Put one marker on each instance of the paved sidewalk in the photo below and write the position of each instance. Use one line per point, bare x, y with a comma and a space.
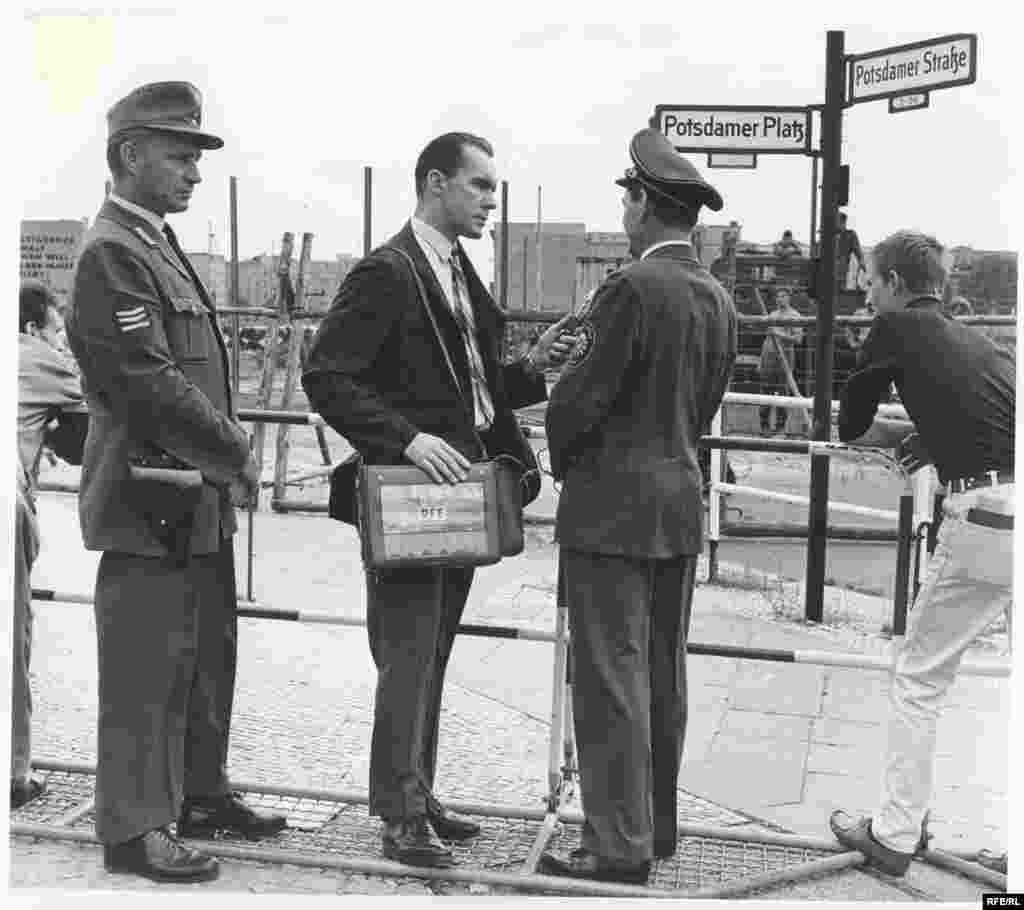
784, 743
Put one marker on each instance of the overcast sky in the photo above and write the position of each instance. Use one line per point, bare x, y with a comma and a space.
306, 99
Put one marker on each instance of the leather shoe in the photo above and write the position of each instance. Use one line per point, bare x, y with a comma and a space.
412, 841
26, 789
160, 856
856, 835
581, 863
204, 815
448, 825
997, 862
663, 849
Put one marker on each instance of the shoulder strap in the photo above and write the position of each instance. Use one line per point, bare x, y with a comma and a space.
422, 291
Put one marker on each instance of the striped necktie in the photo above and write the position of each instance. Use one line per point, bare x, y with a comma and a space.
483, 407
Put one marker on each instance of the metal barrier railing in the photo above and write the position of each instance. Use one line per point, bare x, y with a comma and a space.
561, 739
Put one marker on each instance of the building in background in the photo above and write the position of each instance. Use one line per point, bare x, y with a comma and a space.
573, 261
212, 270
258, 282
49, 250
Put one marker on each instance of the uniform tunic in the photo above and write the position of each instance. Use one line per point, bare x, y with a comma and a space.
155, 372
655, 355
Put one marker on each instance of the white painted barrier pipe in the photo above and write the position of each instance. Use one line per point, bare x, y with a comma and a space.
803, 500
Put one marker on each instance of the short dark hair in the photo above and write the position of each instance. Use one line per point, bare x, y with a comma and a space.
668, 211
34, 300
114, 163
917, 258
444, 154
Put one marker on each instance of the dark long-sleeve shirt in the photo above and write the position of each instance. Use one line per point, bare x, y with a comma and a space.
956, 384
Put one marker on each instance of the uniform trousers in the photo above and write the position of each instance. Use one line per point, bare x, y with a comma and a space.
167, 651
629, 619
967, 585
26, 548
412, 617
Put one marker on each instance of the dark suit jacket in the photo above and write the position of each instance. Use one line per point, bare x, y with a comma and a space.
155, 372
657, 349
378, 376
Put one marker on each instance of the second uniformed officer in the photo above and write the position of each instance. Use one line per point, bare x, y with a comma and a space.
155, 374
654, 355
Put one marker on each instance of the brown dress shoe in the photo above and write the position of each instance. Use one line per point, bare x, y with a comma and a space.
412, 841
856, 835
581, 863
161, 857
203, 815
448, 825
26, 789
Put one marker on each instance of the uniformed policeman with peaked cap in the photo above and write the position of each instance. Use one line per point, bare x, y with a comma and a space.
654, 355
155, 373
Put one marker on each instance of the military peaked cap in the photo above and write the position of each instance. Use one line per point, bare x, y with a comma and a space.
658, 166
167, 107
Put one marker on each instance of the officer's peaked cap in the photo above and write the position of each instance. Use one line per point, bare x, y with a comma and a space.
657, 165
167, 107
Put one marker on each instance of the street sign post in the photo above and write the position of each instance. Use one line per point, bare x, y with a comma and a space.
733, 136
909, 68
712, 128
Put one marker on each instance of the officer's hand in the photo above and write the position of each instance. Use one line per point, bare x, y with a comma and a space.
246, 486
912, 454
433, 455
556, 344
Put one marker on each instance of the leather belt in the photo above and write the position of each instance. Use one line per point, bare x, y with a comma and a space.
988, 479
990, 519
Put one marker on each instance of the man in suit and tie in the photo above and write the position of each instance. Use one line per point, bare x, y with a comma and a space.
379, 377
656, 350
155, 375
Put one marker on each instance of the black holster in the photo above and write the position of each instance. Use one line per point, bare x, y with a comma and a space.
165, 493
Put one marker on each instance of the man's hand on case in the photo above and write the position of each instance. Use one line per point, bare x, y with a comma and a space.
433, 455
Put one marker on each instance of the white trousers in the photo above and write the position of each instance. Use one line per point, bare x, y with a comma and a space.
968, 584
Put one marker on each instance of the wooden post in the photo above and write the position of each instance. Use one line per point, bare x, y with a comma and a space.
236, 347
504, 245
525, 254
291, 372
367, 209
321, 441
540, 258
284, 263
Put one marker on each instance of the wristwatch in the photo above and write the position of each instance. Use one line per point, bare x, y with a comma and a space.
531, 362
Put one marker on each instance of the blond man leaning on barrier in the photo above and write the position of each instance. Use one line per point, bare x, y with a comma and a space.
958, 389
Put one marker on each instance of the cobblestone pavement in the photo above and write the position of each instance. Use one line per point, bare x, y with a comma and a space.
775, 742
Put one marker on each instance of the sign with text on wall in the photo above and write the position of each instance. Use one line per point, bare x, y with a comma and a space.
49, 250
909, 68
736, 129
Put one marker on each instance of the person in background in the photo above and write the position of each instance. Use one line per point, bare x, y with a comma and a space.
775, 358
847, 245
856, 334
787, 247
52, 416
958, 388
